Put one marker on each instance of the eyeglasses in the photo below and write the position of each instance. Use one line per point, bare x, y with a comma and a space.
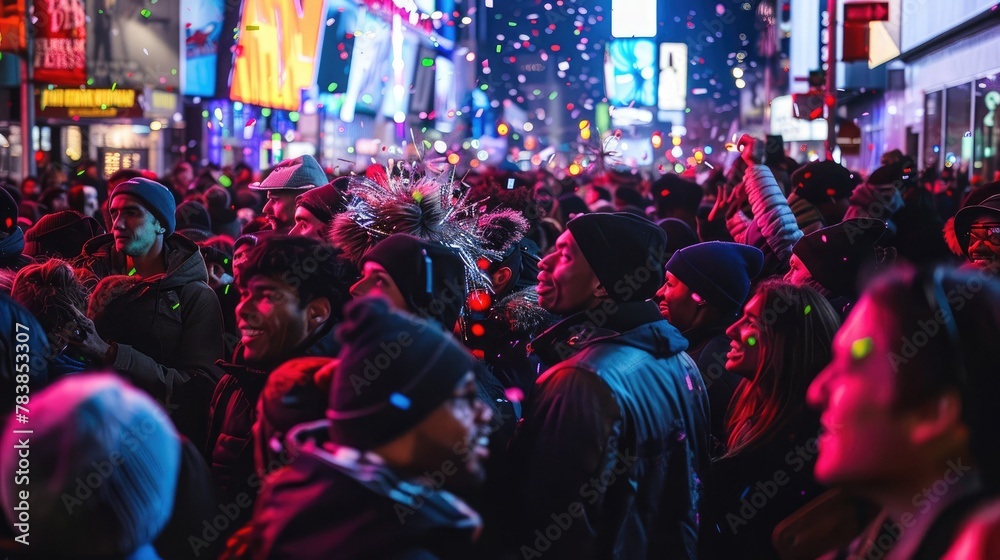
986, 233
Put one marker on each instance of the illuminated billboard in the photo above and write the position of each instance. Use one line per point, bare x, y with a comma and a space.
60, 42
633, 18
276, 52
370, 60
133, 44
630, 72
672, 93
445, 95
201, 21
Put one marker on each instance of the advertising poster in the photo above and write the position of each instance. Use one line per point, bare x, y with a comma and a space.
370, 67
445, 95
672, 95
276, 52
134, 43
60, 42
201, 27
12, 27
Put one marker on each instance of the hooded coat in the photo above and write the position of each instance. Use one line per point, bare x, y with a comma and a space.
168, 328
614, 441
332, 505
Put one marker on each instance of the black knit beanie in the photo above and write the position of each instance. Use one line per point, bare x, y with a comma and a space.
394, 370
836, 255
323, 202
672, 191
819, 181
431, 277
624, 251
718, 271
61, 234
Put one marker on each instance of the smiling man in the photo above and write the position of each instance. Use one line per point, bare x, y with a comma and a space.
292, 292
978, 231
620, 407
286, 181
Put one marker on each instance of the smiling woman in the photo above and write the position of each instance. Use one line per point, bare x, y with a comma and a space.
779, 345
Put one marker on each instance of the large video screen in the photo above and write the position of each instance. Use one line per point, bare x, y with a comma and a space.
275, 57
445, 95
673, 77
201, 22
630, 72
370, 67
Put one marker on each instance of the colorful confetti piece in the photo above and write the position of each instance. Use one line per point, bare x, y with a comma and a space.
399, 401
861, 348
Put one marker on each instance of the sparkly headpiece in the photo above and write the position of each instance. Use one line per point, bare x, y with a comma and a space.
429, 207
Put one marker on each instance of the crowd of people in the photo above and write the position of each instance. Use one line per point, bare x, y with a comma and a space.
776, 361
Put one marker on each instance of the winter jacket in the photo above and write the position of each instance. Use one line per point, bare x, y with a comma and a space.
168, 328
773, 229
708, 349
748, 494
608, 460
339, 503
233, 413
914, 225
21, 335
875, 201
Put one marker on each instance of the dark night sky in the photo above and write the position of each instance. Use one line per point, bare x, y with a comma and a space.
569, 36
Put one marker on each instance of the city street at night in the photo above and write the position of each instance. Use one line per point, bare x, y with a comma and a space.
499, 279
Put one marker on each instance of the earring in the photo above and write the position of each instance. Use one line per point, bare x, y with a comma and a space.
162, 230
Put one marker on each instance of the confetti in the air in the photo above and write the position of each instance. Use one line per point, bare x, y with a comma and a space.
861, 348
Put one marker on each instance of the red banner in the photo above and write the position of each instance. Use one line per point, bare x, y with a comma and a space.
60, 42
12, 27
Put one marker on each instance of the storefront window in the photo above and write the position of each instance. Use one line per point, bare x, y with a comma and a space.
958, 136
932, 129
986, 162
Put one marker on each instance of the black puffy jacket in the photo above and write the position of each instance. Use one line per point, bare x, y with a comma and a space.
233, 413
608, 460
168, 328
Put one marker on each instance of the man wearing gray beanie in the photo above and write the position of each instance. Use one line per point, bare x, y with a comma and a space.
164, 334
620, 406
404, 426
